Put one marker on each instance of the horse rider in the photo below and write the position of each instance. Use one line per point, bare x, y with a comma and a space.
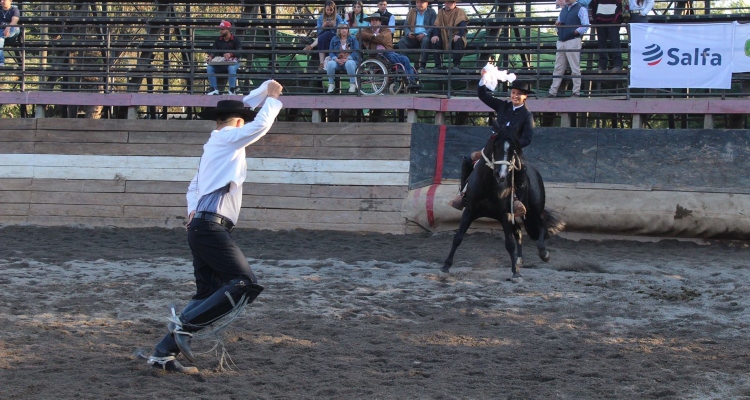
223, 277
512, 116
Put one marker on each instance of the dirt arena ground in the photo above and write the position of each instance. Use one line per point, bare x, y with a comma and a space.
368, 316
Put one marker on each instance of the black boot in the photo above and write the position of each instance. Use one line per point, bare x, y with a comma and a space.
164, 357
459, 202
211, 310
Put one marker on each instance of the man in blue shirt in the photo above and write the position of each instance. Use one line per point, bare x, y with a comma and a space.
572, 24
418, 28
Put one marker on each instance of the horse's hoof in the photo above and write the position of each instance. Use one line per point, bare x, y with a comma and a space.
544, 255
445, 269
517, 278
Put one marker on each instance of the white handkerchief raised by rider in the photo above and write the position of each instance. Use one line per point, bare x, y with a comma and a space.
492, 75
257, 96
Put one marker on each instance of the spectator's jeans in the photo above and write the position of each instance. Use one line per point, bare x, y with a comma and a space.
608, 37
350, 66
13, 33
564, 58
396, 58
408, 43
232, 70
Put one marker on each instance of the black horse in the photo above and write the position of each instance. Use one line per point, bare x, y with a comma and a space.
490, 194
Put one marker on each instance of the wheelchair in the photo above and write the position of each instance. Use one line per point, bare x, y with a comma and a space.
377, 74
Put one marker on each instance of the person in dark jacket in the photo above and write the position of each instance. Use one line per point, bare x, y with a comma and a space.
226, 48
608, 12
512, 116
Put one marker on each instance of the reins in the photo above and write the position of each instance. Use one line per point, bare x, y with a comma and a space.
513, 164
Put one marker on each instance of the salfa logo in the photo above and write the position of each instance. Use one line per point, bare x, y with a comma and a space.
653, 54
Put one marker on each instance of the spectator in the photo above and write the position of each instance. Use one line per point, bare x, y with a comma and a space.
569, 33
344, 55
327, 23
380, 39
608, 12
11, 15
639, 10
450, 34
226, 48
389, 19
356, 18
418, 30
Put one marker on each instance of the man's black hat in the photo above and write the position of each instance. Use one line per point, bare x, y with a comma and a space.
522, 86
225, 107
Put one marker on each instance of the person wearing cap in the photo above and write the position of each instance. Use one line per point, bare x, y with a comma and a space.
344, 56
512, 116
379, 39
450, 34
223, 276
418, 30
227, 47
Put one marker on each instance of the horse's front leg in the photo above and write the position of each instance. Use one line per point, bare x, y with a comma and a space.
511, 244
518, 235
466, 219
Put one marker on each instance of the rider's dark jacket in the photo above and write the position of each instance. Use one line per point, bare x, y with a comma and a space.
519, 121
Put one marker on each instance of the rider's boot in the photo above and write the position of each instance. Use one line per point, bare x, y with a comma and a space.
210, 310
519, 210
459, 202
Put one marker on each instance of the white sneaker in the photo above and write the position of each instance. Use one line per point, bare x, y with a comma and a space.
331, 86
213, 93
233, 91
352, 88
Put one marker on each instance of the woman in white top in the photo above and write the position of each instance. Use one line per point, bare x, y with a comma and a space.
639, 10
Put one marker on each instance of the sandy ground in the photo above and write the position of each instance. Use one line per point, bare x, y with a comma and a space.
369, 316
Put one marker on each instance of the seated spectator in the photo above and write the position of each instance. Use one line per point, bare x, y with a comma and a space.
380, 39
10, 17
356, 18
608, 12
327, 23
388, 18
418, 30
344, 55
449, 34
226, 48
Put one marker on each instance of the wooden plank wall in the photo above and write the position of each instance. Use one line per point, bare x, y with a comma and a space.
134, 173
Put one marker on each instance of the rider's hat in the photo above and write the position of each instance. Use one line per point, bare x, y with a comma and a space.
522, 86
226, 107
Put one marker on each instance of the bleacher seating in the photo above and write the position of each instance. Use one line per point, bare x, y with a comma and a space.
159, 46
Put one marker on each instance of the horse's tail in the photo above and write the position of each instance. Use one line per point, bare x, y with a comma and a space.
553, 223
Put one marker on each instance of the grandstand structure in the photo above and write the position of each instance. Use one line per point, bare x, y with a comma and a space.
116, 51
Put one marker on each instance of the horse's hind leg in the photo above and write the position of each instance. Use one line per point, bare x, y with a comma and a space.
540, 245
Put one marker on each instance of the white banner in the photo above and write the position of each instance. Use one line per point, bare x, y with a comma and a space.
681, 55
741, 61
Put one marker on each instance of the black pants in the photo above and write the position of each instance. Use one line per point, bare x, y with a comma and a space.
456, 48
608, 37
216, 257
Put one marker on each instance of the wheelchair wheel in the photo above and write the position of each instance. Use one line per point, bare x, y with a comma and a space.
396, 86
372, 77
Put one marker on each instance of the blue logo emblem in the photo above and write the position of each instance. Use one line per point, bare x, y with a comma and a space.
653, 54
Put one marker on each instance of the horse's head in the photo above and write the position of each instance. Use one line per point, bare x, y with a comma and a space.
501, 148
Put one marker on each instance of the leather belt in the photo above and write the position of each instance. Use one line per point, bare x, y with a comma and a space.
213, 217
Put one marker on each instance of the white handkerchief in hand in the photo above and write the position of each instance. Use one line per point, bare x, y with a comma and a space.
257, 96
492, 75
